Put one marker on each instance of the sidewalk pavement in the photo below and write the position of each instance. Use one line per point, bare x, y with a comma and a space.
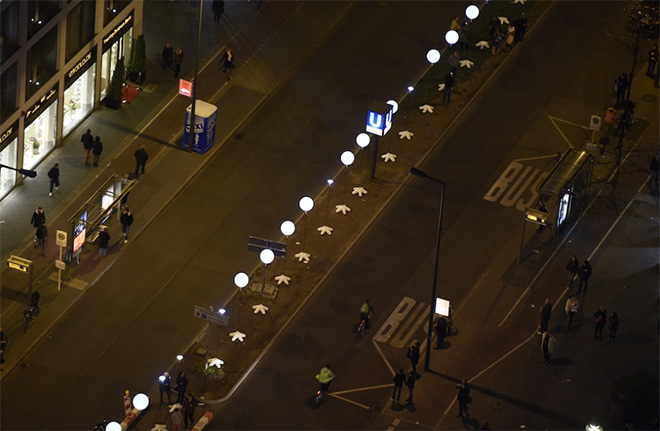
154, 119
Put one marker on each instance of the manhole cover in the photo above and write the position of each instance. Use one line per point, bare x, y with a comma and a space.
497, 405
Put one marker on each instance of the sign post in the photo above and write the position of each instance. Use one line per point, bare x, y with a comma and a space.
379, 122
60, 240
211, 317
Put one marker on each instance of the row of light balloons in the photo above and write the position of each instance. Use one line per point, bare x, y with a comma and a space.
451, 37
347, 158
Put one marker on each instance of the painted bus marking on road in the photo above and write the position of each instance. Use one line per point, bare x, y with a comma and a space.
516, 181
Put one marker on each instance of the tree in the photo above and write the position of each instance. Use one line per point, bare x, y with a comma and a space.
139, 59
116, 84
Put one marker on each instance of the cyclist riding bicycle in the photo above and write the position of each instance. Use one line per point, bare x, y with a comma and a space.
366, 310
325, 377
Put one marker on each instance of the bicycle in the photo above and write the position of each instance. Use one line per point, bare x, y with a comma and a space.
29, 314
323, 392
363, 326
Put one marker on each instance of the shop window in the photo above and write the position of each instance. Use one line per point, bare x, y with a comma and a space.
80, 27
8, 91
40, 137
8, 31
112, 9
39, 13
41, 63
8, 157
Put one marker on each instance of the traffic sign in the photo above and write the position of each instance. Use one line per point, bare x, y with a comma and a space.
60, 238
256, 245
211, 316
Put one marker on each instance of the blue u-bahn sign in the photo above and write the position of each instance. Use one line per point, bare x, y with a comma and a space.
379, 118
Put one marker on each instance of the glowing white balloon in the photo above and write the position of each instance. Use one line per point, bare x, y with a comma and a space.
241, 280
362, 140
306, 203
451, 37
347, 158
267, 256
472, 12
140, 401
113, 426
433, 56
395, 106
287, 228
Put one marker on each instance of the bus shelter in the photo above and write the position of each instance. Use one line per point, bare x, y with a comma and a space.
566, 189
86, 222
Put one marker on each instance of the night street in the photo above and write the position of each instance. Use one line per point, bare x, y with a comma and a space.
309, 70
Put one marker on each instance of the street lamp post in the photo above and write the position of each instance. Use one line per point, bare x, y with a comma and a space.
193, 115
26, 172
422, 174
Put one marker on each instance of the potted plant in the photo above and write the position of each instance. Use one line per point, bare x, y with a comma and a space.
113, 98
138, 69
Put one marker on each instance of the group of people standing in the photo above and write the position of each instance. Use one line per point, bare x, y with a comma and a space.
172, 55
571, 307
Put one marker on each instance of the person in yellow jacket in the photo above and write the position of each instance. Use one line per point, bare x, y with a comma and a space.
365, 313
325, 377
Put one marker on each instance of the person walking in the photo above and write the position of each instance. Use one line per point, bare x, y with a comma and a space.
177, 418
227, 62
38, 217
410, 383
463, 36
181, 386
413, 355
97, 150
583, 275
168, 55
653, 171
178, 60
546, 312
621, 84
449, 84
3, 346
547, 346
463, 397
104, 239
653, 60
88, 143
523, 26
571, 308
612, 326
54, 176
399, 380
42, 237
126, 220
189, 405
164, 386
510, 36
440, 332
600, 318
573, 266
218, 7
141, 158
454, 60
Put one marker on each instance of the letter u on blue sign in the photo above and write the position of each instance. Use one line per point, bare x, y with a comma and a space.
375, 123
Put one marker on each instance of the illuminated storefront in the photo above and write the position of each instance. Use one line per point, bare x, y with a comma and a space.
79, 92
117, 44
8, 157
40, 129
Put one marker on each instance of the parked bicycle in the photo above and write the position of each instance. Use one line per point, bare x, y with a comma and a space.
32, 311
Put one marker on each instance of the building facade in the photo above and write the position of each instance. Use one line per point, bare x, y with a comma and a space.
56, 62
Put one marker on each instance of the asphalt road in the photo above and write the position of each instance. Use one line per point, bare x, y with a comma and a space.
565, 74
251, 184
